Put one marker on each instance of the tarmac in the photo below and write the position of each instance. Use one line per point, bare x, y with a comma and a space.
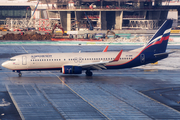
141, 93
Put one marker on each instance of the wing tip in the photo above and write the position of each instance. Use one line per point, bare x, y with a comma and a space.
118, 56
105, 49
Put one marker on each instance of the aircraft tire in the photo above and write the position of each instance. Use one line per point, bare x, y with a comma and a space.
89, 73
20, 74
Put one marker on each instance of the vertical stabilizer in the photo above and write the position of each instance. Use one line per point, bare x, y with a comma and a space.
158, 43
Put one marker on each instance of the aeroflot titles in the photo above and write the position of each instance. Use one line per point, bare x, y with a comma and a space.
34, 56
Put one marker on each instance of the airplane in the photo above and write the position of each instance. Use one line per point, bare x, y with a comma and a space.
75, 63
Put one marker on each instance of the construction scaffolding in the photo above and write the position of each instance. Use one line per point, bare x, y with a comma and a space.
40, 24
143, 24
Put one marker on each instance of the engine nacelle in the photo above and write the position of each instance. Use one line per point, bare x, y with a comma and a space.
71, 69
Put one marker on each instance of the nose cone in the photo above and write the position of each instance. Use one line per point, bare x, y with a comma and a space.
5, 64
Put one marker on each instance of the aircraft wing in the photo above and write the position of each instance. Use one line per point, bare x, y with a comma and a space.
99, 65
96, 65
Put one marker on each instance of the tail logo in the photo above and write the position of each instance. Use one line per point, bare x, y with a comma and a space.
160, 39
142, 58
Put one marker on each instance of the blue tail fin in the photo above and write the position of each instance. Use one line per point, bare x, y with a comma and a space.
158, 43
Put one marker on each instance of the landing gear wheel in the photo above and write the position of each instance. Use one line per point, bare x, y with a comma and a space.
89, 73
20, 74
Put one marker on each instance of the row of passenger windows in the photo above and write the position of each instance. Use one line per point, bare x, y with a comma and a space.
79, 59
45, 59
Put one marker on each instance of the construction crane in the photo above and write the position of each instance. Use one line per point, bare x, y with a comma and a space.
58, 27
91, 27
33, 13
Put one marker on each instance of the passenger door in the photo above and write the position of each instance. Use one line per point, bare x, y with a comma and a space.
24, 60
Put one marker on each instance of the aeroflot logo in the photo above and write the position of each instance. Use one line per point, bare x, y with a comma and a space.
34, 56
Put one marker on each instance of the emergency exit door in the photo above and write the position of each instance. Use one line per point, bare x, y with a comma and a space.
24, 60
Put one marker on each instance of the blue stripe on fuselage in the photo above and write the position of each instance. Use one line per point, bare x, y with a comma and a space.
149, 57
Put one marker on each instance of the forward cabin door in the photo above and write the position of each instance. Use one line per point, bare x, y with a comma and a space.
24, 60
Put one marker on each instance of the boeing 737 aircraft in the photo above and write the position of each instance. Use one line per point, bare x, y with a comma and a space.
75, 63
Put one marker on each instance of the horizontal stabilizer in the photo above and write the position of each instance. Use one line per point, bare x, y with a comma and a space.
166, 53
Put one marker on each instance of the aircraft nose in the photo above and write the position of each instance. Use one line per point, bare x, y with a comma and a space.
4, 64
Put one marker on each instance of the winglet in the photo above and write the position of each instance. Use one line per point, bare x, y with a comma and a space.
105, 49
118, 56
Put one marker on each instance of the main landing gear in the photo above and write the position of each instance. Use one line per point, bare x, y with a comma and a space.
89, 73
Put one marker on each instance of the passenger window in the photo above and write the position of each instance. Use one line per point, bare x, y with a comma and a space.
59, 59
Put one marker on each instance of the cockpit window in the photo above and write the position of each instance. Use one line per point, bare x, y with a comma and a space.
12, 59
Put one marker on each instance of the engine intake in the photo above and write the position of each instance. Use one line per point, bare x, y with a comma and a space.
71, 69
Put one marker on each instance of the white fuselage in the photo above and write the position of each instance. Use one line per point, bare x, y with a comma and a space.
45, 61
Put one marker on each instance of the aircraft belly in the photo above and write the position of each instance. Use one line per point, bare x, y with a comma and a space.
44, 65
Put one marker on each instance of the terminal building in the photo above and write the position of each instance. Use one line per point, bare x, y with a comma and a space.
14, 10
75, 15
108, 14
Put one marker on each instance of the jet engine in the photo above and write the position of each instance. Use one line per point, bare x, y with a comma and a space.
71, 69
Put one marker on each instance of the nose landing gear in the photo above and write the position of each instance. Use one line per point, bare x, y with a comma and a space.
19, 73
